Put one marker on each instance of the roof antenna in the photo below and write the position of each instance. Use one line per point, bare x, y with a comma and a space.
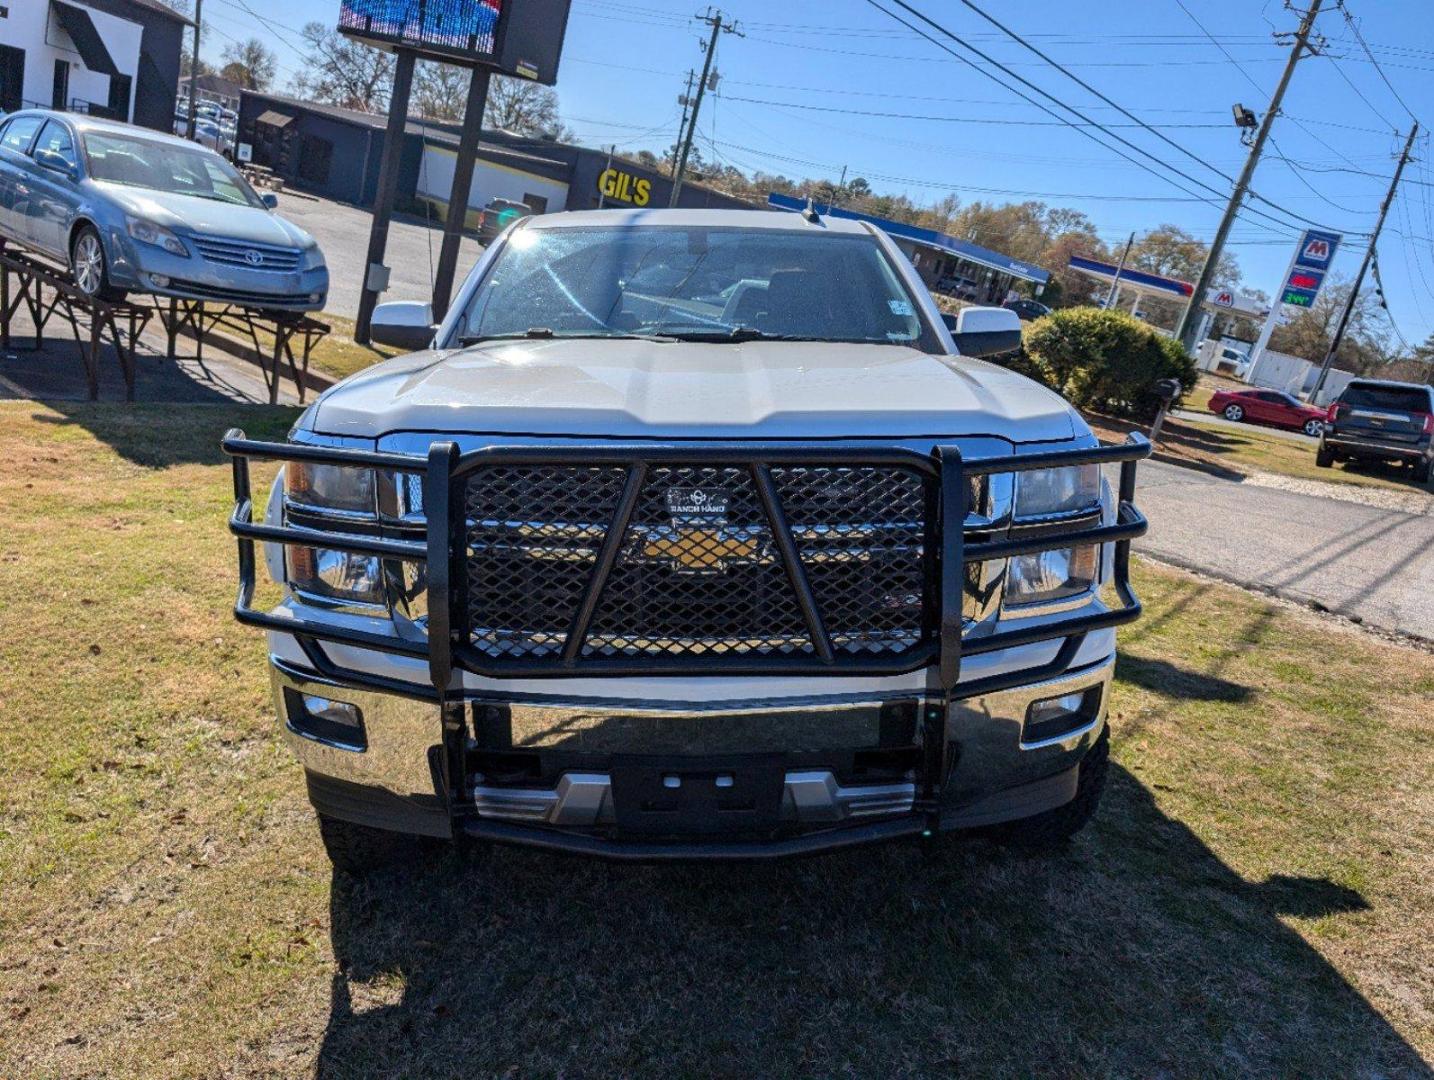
809, 212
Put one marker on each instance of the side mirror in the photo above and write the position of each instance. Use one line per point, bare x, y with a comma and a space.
48, 159
404, 324
986, 331
269, 199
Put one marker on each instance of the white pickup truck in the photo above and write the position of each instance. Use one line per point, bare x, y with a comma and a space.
691, 534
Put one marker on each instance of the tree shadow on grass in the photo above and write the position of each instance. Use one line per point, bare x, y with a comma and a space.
1134, 952
158, 436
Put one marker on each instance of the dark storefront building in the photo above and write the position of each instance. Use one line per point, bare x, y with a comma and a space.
336, 153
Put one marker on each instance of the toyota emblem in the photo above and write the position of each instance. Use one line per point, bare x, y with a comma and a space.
254, 258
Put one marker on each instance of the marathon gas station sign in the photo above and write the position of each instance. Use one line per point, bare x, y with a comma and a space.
1309, 268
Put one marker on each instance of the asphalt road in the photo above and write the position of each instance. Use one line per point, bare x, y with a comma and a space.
1216, 420
342, 232
1371, 564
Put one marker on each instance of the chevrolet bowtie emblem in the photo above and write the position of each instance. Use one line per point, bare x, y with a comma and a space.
703, 549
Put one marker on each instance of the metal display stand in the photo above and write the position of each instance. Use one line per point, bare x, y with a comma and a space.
289, 330
45, 291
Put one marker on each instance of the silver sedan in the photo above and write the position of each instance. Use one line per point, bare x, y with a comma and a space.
133, 210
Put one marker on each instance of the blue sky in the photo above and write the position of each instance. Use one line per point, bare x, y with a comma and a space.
795, 88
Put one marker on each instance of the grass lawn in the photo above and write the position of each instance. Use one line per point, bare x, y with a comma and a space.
1254, 898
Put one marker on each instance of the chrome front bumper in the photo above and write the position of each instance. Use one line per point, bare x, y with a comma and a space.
999, 771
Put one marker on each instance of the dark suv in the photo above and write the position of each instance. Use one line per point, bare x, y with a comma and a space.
1372, 420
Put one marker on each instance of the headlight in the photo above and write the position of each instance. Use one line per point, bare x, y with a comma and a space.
1041, 492
311, 259
1047, 576
147, 232
343, 494
329, 488
336, 575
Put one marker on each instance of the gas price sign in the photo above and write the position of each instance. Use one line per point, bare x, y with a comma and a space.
1309, 267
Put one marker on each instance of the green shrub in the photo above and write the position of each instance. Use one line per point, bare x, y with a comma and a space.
1104, 360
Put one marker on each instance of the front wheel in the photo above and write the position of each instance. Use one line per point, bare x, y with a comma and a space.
1234, 413
89, 268
1313, 428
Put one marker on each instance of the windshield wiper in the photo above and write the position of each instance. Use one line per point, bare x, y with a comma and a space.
751, 333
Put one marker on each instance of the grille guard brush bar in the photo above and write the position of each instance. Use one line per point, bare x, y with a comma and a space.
444, 471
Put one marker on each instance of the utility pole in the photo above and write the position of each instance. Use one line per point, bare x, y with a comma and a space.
1190, 321
713, 19
194, 73
1111, 296
685, 100
1363, 267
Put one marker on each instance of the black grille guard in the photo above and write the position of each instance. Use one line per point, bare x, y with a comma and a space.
445, 471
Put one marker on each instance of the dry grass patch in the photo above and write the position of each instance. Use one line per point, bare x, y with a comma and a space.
1253, 899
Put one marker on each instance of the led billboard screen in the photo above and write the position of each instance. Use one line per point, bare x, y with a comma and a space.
511, 37
463, 28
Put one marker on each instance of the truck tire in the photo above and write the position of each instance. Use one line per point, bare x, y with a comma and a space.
1423, 472
359, 849
1054, 828
1323, 458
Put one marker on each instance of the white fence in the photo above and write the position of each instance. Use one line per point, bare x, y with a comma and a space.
1294, 375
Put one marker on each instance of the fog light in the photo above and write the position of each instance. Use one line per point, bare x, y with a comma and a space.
1053, 717
316, 297
337, 723
159, 281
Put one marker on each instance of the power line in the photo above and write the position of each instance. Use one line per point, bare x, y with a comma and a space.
1354, 28
1069, 108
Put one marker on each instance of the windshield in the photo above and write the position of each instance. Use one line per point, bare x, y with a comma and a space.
162, 166
1373, 396
692, 283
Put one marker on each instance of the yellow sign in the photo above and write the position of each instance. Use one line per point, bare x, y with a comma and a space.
624, 187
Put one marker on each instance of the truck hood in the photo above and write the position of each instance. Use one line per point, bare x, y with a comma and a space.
208, 217
643, 389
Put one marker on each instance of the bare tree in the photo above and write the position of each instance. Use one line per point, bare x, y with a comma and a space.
440, 90
340, 71
250, 63
523, 107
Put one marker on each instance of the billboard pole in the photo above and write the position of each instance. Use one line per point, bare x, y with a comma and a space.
462, 184
1363, 267
1271, 320
375, 273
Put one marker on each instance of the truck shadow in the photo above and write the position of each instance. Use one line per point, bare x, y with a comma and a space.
141, 434
1136, 951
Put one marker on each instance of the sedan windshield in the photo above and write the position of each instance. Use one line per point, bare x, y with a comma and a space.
692, 283
163, 166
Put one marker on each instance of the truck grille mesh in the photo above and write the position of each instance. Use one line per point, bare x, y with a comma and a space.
698, 572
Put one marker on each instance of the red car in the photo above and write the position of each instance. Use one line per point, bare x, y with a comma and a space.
1271, 407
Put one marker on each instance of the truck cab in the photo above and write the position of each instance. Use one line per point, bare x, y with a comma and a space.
691, 534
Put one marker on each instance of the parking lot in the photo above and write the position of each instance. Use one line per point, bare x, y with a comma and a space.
342, 231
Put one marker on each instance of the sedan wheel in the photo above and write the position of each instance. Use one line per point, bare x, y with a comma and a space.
87, 263
1234, 412
1313, 428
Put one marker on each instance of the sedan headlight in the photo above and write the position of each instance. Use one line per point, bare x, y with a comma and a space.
147, 232
343, 495
1042, 492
